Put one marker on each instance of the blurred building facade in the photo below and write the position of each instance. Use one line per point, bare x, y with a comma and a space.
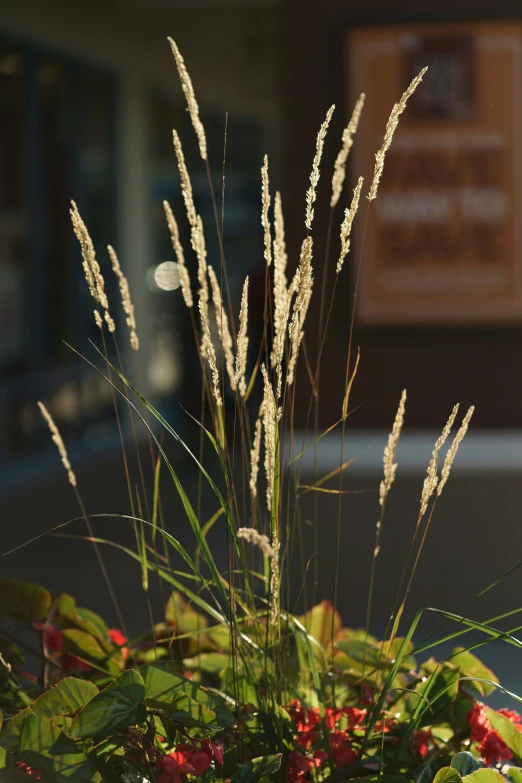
87, 113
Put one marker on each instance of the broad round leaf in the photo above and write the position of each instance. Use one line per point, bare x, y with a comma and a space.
116, 707
24, 600
465, 763
45, 747
67, 697
447, 775
163, 688
515, 773
486, 775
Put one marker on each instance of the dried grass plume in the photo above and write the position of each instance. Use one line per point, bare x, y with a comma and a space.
311, 193
274, 582
280, 279
186, 84
452, 451
302, 284
346, 227
269, 427
391, 126
58, 442
242, 342
347, 143
256, 539
390, 466
223, 328
254, 454
431, 480
210, 355
265, 206
91, 268
186, 184
184, 278
128, 307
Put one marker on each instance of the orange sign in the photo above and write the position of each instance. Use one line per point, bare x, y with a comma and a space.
443, 238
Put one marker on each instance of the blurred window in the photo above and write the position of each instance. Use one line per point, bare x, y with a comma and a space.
56, 143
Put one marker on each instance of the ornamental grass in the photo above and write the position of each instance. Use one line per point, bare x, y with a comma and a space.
229, 683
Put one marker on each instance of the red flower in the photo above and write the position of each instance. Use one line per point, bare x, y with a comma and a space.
28, 770
320, 757
478, 722
384, 726
198, 759
493, 748
355, 716
298, 766
213, 751
171, 768
120, 639
421, 740
306, 738
333, 716
343, 752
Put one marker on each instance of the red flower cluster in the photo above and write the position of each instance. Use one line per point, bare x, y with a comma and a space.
53, 640
120, 640
491, 746
422, 739
309, 729
188, 760
300, 765
28, 770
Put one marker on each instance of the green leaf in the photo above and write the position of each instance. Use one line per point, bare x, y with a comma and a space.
10, 734
67, 697
515, 773
485, 775
441, 690
116, 707
319, 622
24, 600
84, 646
465, 763
507, 730
151, 655
447, 775
81, 618
219, 635
471, 666
45, 747
163, 686
258, 769
210, 663
162, 692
